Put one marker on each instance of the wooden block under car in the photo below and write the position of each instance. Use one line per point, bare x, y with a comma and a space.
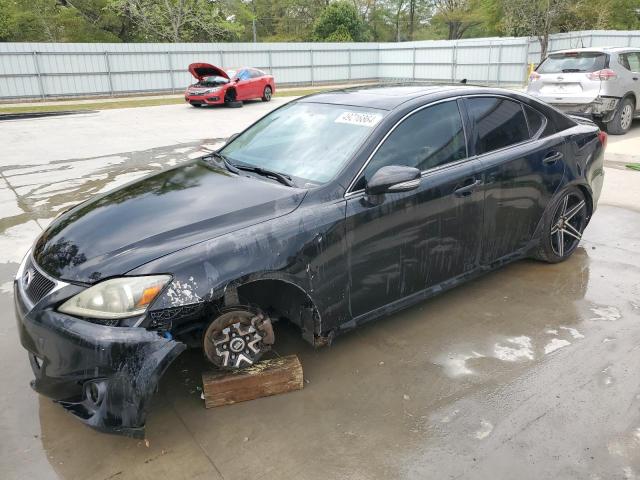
265, 378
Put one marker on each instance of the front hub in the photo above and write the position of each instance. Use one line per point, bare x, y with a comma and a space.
237, 339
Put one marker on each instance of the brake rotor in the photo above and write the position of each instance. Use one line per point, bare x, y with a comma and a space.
237, 339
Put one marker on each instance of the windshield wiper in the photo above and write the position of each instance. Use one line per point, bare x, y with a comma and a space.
229, 166
571, 70
281, 177
236, 168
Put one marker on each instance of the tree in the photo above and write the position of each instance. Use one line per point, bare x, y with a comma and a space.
178, 20
537, 18
457, 15
340, 22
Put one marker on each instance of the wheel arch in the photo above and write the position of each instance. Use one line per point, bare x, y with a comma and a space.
632, 96
586, 191
280, 297
231, 91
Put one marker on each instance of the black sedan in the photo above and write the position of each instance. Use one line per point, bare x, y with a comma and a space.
330, 211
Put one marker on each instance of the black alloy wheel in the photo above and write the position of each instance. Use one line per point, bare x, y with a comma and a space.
563, 229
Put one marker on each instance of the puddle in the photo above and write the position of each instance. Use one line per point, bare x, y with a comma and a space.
34, 192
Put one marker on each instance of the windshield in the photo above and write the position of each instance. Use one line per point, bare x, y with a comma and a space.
573, 62
310, 142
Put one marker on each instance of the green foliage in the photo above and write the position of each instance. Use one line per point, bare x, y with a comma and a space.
339, 22
303, 20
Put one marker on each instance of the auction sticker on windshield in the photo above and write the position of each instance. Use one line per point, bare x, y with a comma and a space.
359, 118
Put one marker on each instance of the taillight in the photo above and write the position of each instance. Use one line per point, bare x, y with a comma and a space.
602, 136
604, 74
534, 76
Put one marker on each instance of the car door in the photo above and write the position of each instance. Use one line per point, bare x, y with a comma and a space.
257, 83
631, 63
243, 84
521, 170
400, 244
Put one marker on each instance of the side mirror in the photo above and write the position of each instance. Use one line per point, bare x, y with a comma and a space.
393, 179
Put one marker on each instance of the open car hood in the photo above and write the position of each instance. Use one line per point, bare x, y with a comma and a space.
202, 70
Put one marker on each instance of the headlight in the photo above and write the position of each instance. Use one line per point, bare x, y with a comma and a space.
116, 298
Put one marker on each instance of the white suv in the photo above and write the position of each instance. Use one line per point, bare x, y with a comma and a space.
602, 83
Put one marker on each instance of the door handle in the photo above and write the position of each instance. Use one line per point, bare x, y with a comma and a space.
635, 78
467, 189
552, 157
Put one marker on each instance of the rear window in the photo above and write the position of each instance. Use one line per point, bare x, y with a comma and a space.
573, 62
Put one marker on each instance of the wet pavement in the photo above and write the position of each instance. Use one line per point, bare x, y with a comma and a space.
529, 372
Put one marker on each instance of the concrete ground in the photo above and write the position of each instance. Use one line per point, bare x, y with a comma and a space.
530, 372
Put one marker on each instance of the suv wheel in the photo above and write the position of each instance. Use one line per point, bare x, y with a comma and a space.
621, 121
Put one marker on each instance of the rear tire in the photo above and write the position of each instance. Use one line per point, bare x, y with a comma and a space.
562, 227
267, 94
623, 118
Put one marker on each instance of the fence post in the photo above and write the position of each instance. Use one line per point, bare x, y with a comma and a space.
349, 51
37, 66
414, 64
170, 64
526, 63
499, 63
489, 64
454, 61
629, 40
270, 63
311, 52
106, 59
222, 59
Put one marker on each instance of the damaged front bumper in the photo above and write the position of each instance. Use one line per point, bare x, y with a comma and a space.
103, 375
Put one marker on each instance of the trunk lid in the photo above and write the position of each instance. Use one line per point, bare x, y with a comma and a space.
563, 77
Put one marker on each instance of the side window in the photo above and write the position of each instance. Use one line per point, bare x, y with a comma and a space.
633, 60
243, 74
499, 123
429, 138
535, 119
623, 58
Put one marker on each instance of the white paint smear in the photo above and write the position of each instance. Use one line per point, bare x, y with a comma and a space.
609, 314
555, 344
573, 332
485, 430
514, 349
455, 365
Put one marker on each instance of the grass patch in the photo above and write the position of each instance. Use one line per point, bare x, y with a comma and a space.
634, 166
130, 103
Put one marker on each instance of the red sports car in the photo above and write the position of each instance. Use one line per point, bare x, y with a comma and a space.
217, 86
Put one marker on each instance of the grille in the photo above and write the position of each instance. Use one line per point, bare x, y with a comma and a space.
34, 283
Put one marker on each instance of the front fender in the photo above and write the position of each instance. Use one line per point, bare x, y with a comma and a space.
304, 248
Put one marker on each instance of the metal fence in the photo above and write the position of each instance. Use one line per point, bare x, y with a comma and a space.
46, 70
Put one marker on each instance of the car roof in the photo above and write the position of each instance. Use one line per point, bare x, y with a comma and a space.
390, 96
597, 49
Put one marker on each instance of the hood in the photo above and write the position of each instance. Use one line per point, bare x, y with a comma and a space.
114, 233
202, 70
